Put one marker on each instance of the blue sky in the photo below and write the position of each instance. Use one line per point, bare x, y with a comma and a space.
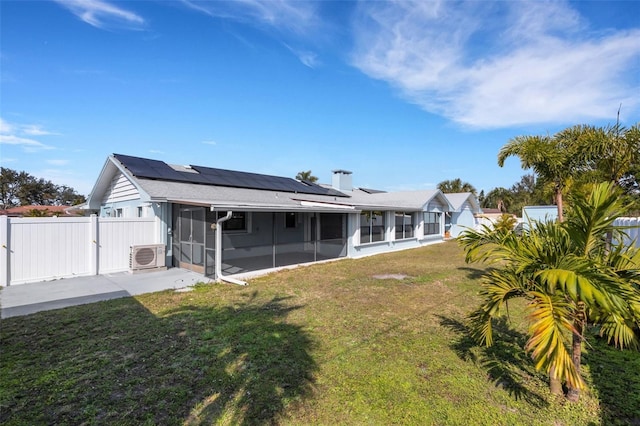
404, 94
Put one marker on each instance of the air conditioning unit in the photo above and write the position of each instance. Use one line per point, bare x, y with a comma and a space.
146, 257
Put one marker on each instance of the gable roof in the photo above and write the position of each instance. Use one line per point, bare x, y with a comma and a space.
458, 199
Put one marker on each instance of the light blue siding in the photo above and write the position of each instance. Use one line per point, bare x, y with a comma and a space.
539, 213
462, 220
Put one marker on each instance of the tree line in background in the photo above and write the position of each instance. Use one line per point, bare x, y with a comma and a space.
22, 189
568, 162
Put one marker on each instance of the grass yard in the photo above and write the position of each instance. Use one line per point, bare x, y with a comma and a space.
324, 344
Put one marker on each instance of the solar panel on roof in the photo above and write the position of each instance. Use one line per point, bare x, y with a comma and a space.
155, 169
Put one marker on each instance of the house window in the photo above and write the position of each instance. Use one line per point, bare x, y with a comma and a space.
372, 227
118, 212
237, 223
404, 225
290, 220
431, 223
140, 214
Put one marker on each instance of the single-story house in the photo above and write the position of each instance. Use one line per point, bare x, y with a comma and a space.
222, 222
465, 209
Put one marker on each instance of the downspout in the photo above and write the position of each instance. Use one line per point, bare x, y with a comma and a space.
219, 275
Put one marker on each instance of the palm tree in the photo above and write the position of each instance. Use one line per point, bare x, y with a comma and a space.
552, 158
306, 175
498, 198
568, 277
454, 186
612, 151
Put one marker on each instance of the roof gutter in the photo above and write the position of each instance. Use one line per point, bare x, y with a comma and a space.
219, 275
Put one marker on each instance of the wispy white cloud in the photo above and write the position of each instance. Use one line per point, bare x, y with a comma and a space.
498, 64
102, 14
27, 144
36, 130
155, 151
22, 135
209, 142
287, 15
58, 162
289, 19
308, 58
5, 127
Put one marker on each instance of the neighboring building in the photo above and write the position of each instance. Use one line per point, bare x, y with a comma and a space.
465, 208
265, 221
37, 210
539, 213
489, 216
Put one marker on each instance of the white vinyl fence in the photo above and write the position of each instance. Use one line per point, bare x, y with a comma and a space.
38, 249
631, 227
633, 232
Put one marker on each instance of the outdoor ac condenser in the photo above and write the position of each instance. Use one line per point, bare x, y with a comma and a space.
146, 257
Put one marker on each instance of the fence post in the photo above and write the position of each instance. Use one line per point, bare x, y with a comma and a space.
5, 276
94, 255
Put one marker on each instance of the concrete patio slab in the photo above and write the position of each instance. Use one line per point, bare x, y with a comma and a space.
24, 299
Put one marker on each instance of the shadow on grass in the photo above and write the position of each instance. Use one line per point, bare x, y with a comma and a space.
614, 375
116, 363
506, 362
474, 273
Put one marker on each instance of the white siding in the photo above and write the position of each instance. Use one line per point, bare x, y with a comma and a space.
120, 189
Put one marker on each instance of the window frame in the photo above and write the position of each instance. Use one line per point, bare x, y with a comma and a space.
372, 215
288, 217
228, 225
428, 224
401, 234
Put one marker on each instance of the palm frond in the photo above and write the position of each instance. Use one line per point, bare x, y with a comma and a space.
498, 287
547, 343
621, 331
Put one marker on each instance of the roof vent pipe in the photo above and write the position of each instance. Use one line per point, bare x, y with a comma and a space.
219, 275
341, 180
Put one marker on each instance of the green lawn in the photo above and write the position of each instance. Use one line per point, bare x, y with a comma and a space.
325, 344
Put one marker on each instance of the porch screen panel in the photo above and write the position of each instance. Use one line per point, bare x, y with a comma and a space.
330, 226
175, 234
210, 241
198, 226
333, 239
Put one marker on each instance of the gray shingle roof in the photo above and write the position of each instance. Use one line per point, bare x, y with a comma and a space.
158, 190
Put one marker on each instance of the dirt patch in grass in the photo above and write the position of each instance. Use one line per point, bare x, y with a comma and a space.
398, 277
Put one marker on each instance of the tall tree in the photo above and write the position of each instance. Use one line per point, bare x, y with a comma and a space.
569, 277
613, 152
306, 175
498, 198
21, 188
454, 186
552, 158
